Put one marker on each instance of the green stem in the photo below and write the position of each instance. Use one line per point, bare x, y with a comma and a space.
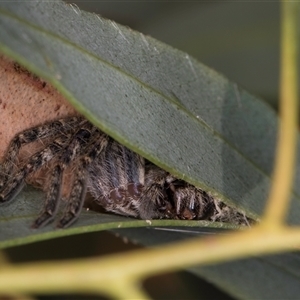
118, 275
277, 205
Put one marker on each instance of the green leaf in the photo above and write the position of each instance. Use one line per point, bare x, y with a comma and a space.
154, 99
16, 219
161, 103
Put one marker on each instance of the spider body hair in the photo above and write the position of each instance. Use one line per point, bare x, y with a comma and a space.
120, 180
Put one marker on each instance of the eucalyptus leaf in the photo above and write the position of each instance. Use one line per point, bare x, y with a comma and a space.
166, 106
156, 100
16, 219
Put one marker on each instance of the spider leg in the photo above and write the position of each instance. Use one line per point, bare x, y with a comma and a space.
224, 213
155, 202
76, 200
165, 196
62, 126
51, 204
191, 202
36, 161
68, 154
194, 203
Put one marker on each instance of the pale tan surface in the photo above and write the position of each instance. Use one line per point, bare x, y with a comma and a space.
27, 101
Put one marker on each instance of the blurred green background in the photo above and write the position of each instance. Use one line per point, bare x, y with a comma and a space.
239, 39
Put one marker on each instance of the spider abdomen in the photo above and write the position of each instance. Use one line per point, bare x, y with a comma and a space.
116, 179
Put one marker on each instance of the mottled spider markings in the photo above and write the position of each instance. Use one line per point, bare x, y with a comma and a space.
118, 179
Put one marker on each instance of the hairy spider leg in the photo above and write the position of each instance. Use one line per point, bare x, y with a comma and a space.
62, 126
36, 161
51, 203
154, 202
73, 150
191, 202
165, 196
76, 199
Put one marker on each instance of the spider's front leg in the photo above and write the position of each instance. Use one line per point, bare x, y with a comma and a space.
165, 196
155, 201
35, 162
70, 152
190, 203
50, 130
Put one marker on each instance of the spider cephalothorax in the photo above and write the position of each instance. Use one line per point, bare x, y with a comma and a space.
118, 178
